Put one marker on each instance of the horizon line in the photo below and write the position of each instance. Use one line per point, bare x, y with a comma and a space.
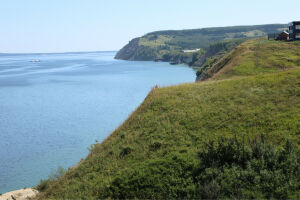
59, 52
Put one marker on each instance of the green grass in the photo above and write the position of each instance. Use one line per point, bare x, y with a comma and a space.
236, 135
181, 119
154, 42
262, 56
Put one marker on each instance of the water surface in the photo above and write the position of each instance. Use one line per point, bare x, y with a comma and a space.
52, 110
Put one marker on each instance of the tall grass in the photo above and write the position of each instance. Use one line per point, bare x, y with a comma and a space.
259, 56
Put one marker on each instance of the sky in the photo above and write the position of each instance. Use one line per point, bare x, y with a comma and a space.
41, 26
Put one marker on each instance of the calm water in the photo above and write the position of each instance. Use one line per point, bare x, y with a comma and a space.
52, 110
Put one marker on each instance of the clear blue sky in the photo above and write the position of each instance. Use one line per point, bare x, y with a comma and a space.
93, 25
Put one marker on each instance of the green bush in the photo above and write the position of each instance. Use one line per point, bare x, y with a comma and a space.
155, 146
255, 169
164, 178
125, 151
44, 184
227, 168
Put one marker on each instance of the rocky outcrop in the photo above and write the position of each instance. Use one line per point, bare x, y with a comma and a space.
22, 194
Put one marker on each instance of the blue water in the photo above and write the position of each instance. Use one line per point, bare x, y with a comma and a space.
51, 111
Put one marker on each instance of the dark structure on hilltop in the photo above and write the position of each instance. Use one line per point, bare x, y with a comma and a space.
294, 30
283, 36
293, 33
279, 36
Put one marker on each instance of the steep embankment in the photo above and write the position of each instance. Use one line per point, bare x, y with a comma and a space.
170, 45
232, 138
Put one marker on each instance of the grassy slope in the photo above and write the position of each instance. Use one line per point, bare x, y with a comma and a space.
256, 57
182, 118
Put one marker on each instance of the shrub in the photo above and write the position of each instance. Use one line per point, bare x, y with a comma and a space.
228, 168
164, 178
125, 151
254, 170
155, 146
44, 184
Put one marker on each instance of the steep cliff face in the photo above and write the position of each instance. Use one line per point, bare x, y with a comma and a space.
127, 52
134, 51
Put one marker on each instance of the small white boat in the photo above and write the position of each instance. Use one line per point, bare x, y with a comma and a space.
35, 61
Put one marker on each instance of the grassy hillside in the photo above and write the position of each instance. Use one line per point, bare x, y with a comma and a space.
254, 57
235, 136
169, 45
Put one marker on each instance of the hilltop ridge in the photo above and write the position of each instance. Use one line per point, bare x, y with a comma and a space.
169, 45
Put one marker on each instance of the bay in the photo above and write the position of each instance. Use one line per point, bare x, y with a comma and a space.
54, 106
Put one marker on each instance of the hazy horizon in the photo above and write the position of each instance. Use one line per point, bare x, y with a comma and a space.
87, 51
74, 52
97, 25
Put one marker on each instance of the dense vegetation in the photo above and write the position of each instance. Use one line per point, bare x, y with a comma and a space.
234, 136
225, 169
169, 45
